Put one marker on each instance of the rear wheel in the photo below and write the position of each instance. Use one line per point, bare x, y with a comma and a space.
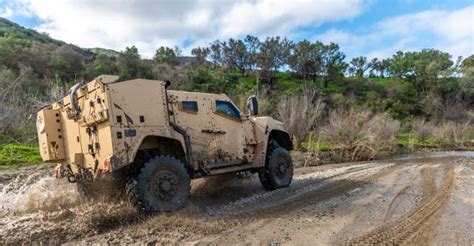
278, 172
163, 185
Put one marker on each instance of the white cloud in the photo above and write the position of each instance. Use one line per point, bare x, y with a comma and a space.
5, 9
6, 12
450, 31
149, 24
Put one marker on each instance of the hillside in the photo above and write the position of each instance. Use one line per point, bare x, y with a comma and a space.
106, 52
13, 30
14, 33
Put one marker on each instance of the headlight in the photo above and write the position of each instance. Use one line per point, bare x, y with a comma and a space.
40, 125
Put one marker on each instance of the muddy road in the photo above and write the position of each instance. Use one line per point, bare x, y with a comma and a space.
423, 200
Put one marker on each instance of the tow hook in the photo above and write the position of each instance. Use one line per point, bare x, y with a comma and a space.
83, 175
60, 171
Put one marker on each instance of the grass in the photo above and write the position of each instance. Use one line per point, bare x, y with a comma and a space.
407, 140
19, 155
385, 81
315, 144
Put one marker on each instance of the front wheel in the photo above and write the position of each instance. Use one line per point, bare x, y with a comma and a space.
278, 172
163, 185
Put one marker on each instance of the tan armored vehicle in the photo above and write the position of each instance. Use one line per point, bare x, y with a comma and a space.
157, 140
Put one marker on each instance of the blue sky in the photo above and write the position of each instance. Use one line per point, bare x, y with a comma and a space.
372, 28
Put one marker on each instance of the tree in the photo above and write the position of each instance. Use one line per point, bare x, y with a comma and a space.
236, 55
301, 59
252, 45
467, 81
216, 53
358, 66
67, 63
129, 63
374, 67
166, 55
423, 68
379, 67
385, 66
274, 53
333, 63
201, 54
468, 63
102, 64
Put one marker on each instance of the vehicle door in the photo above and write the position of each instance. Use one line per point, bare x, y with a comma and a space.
193, 112
228, 132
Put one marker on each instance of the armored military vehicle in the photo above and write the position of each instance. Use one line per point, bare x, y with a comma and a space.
157, 140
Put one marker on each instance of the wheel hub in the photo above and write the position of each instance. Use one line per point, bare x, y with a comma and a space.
165, 185
281, 168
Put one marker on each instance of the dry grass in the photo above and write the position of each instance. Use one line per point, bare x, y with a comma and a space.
456, 135
301, 113
359, 135
446, 134
422, 130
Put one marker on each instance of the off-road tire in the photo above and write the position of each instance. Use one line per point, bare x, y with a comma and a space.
278, 171
162, 185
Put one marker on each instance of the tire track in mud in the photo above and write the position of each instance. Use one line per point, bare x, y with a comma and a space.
333, 189
282, 201
301, 184
418, 226
428, 187
395, 203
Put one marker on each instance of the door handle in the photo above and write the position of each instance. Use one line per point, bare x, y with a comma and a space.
212, 131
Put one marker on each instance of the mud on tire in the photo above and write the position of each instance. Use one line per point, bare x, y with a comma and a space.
163, 185
278, 172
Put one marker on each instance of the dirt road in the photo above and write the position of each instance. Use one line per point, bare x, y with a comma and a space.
423, 200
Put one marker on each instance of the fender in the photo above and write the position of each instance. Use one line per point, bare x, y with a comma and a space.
267, 128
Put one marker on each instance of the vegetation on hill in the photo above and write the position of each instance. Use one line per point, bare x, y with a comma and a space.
353, 110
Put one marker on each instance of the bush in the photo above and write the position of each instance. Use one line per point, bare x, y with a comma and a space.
359, 135
455, 135
300, 113
422, 130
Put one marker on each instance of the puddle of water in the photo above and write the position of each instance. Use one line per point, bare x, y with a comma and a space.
440, 154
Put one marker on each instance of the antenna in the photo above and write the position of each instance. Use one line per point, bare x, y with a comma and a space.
258, 77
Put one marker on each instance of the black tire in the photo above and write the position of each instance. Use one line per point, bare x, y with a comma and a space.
278, 172
163, 185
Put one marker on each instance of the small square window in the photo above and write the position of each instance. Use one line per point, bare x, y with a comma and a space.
142, 119
119, 119
190, 105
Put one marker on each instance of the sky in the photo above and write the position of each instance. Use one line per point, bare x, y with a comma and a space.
371, 28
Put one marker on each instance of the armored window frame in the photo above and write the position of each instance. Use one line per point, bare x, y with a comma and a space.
231, 112
189, 106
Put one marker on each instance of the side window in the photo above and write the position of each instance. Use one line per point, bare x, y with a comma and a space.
227, 108
191, 106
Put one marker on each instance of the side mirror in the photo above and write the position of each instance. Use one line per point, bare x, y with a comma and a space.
252, 105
